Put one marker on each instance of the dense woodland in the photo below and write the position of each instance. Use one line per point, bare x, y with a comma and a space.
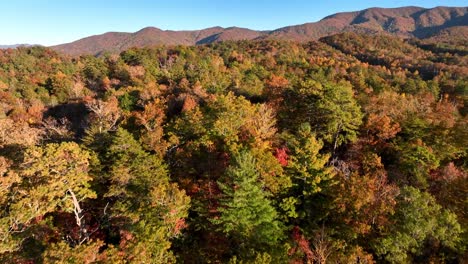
351, 149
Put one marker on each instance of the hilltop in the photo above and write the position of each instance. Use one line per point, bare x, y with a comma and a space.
403, 22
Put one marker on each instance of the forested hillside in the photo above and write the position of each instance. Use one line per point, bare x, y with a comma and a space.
351, 149
409, 21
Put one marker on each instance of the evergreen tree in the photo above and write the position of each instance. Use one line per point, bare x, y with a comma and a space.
246, 214
338, 115
306, 165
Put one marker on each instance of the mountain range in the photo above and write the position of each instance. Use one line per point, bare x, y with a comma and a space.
404, 22
15, 46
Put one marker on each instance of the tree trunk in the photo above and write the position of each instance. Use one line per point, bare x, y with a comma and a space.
79, 217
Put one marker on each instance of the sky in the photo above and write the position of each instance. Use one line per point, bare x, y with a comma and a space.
50, 22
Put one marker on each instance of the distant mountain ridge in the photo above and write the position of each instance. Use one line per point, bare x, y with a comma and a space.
14, 46
151, 36
404, 21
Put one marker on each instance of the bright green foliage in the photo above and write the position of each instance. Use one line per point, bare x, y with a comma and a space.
418, 220
246, 214
306, 165
132, 170
272, 175
148, 208
128, 101
94, 71
59, 85
329, 107
338, 114
52, 171
230, 114
417, 160
188, 126
53, 178
310, 176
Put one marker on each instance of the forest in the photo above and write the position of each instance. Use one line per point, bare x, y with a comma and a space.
350, 149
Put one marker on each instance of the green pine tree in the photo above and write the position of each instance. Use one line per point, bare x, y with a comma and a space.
246, 214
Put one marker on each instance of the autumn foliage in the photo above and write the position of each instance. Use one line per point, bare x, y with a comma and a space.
351, 149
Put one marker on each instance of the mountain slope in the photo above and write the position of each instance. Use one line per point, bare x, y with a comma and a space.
151, 36
405, 22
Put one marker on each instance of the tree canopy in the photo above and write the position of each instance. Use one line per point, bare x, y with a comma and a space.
349, 149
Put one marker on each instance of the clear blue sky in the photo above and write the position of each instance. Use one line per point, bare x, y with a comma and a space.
49, 22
